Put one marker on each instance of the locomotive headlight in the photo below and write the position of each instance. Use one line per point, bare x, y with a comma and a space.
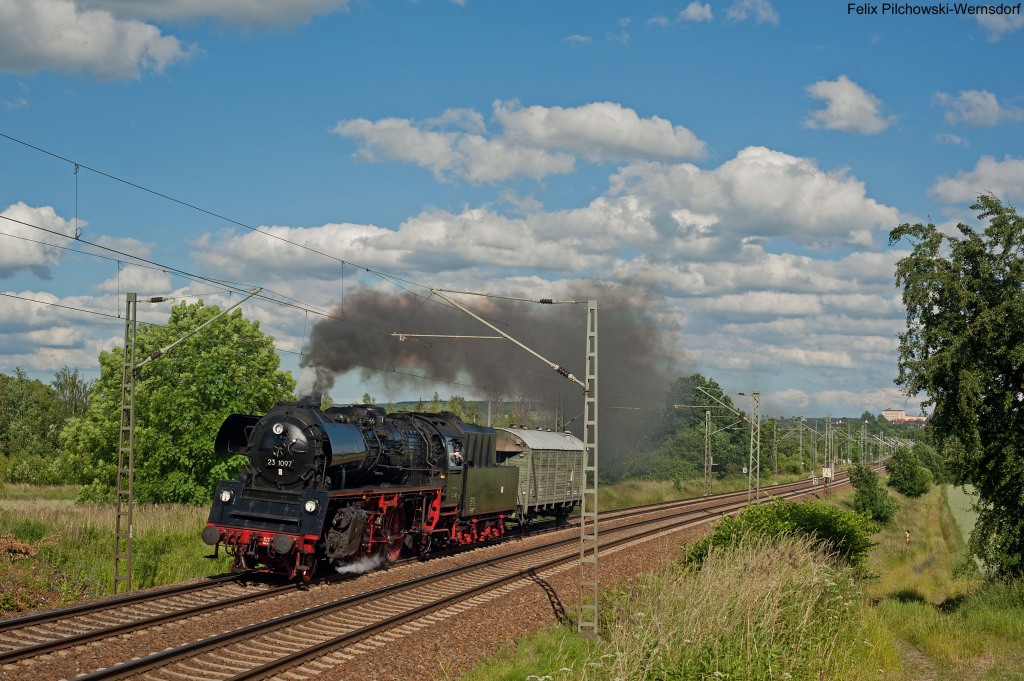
278, 428
226, 496
312, 506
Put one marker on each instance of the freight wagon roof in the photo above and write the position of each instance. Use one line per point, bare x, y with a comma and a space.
541, 439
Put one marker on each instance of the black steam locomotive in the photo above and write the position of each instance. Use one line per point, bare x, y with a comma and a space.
331, 488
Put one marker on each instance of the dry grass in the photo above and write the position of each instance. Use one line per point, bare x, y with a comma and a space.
764, 610
65, 550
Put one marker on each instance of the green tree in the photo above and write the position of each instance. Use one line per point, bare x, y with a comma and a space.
469, 412
931, 459
29, 417
181, 400
72, 392
964, 348
32, 416
907, 475
869, 497
672, 444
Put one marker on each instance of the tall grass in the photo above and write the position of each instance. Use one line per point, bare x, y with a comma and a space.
765, 609
947, 622
54, 550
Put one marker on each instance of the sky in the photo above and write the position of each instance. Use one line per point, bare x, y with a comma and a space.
720, 176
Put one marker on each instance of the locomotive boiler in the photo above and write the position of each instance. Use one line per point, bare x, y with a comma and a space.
327, 488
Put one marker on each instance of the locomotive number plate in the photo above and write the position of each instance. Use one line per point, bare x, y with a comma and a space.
279, 463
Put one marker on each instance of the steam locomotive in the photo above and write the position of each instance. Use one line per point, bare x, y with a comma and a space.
338, 487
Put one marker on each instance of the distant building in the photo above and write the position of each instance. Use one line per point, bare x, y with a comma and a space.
900, 416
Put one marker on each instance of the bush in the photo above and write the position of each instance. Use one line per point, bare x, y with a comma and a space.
870, 498
907, 475
931, 459
846, 534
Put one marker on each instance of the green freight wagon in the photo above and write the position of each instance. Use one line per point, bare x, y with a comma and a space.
550, 470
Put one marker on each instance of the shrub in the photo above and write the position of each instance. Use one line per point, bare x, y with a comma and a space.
869, 497
846, 534
907, 475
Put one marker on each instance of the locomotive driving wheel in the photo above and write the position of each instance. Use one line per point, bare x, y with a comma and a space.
393, 526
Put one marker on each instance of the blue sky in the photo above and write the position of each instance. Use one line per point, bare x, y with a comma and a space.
733, 168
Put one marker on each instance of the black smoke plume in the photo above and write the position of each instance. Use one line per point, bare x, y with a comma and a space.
637, 358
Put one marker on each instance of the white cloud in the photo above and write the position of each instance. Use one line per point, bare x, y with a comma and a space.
652, 218
760, 11
1003, 178
144, 281
597, 131
851, 403
24, 247
12, 104
396, 138
761, 193
955, 140
976, 107
850, 108
129, 246
696, 11
578, 40
998, 26
487, 160
536, 141
59, 35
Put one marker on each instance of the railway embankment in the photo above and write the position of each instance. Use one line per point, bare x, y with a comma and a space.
919, 610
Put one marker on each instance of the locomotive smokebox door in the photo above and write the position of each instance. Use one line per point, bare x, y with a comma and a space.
233, 435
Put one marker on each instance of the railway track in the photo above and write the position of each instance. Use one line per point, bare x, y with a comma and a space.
282, 641
43, 633
257, 650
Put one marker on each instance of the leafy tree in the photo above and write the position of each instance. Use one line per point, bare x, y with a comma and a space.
469, 412
933, 461
964, 348
907, 475
29, 418
869, 497
181, 400
672, 444
32, 415
72, 392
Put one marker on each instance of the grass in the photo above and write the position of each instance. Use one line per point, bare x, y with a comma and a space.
765, 609
54, 551
637, 492
960, 501
921, 612
946, 621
